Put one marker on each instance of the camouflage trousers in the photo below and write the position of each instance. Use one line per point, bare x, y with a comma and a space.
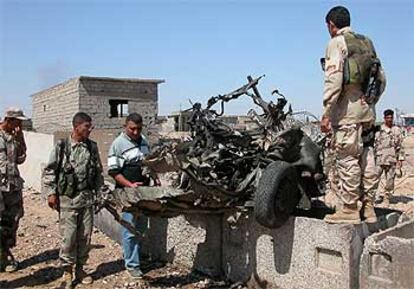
355, 168
76, 231
10, 217
389, 172
331, 198
12, 211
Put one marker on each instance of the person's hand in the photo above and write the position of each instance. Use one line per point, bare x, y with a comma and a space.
157, 182
18, 130
325, 125
136, 184
399, 164
53, 202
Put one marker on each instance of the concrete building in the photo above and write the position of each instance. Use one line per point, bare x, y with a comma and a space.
408, 119
107, 100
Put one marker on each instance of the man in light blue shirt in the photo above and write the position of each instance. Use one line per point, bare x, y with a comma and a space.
125, 166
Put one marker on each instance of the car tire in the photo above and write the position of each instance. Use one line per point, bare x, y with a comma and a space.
277, 194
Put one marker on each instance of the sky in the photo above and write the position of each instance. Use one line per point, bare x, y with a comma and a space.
201, 48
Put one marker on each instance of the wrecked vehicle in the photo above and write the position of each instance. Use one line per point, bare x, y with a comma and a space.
272, 168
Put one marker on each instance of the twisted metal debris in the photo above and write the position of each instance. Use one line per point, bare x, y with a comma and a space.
221, 166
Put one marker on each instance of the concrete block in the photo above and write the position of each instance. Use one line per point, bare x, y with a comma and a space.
105, 222
303, 253
192, 241
387, 260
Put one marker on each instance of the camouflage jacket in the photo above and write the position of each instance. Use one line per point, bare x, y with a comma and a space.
12, 153
388, 145
83, 159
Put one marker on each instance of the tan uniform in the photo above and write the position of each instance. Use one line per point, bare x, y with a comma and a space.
388, 150
331, 199
349, 114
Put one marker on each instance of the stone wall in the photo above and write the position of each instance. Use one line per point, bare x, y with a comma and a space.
95, 95
53, 108
38, 149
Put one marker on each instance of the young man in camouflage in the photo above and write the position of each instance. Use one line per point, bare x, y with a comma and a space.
12, 154
347, 112
72, 178
389, 153
125, 166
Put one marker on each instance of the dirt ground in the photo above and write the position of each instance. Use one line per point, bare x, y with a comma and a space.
37, 250
38, 243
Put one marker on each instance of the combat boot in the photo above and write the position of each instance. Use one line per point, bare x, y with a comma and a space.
368, 211
67, 278
82, 276
349, 214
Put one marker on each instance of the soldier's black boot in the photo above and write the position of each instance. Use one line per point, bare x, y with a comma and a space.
12, 265
82, 276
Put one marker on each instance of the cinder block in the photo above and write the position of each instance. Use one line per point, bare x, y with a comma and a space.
387, 260
303, 253
193, 241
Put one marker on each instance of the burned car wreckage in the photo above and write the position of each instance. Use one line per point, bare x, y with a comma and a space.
272, 168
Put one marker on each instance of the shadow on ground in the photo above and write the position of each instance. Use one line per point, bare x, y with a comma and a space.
39, 277
400, 199
43, 257
107, 269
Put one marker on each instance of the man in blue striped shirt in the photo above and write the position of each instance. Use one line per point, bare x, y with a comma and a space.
125, 166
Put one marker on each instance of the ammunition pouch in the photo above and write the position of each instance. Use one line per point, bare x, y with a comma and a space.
67, 184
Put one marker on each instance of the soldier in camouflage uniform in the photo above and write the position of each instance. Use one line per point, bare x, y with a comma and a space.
389, 153
348, 111
12, 154
72, 178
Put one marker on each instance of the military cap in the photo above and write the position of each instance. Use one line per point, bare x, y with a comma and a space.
13, 112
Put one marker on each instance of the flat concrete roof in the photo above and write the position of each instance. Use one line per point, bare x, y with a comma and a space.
139, 80
99, 78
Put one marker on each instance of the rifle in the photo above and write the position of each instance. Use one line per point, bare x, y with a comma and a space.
373, 90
